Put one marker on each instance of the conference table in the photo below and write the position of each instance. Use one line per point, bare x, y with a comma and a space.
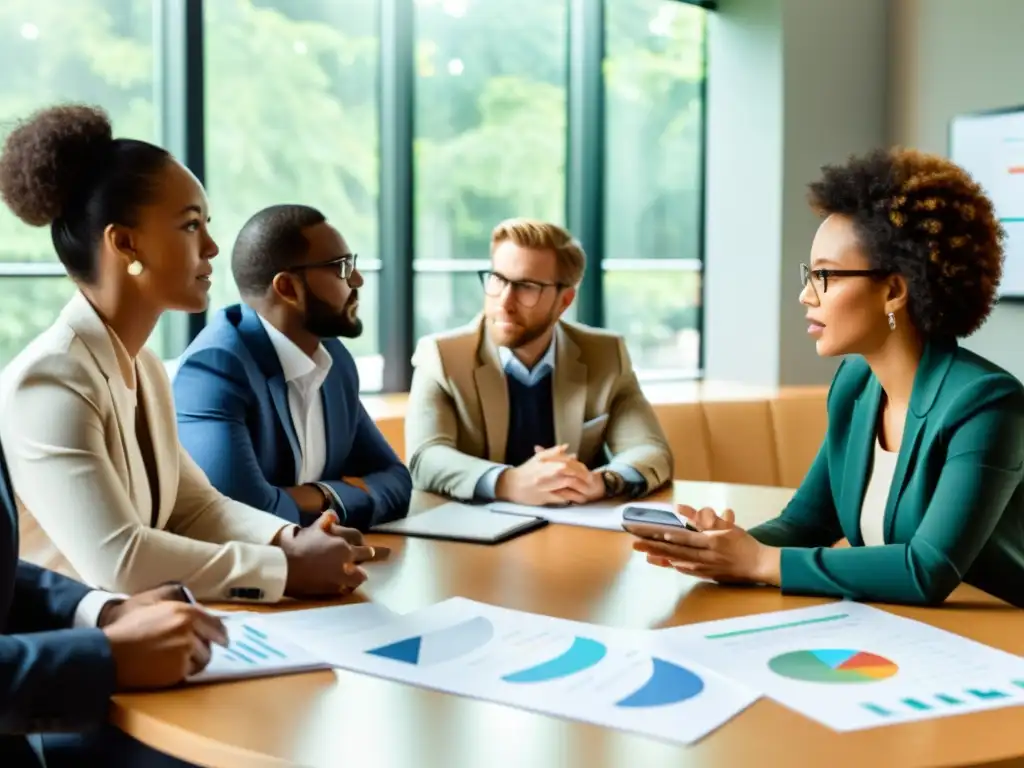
338, 718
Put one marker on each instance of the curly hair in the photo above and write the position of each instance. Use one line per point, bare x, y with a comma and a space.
63, 167
923, 217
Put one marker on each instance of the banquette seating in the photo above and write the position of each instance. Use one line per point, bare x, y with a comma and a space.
718, 432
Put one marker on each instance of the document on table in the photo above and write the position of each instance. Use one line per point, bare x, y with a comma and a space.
568, 669
851, 666
284, 642
604, 515
317, 629
254, 651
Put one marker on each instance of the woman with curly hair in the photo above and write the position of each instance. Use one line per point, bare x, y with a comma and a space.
921, 468
86, 412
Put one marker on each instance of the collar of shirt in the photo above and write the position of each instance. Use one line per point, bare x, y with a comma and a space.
515, 368
297, 366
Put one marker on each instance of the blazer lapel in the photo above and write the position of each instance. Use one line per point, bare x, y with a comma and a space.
155, 401
931, 373
279, 394
334, 414
262, 350
493, 395
570, 391
88, 326
863, 433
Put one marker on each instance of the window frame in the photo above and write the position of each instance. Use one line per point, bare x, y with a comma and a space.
178, 37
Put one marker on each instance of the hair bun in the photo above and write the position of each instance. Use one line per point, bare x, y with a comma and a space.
47, 156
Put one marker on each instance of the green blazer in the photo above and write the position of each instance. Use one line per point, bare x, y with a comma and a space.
956, 504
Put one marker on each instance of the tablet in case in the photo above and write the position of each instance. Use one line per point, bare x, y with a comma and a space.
454, 521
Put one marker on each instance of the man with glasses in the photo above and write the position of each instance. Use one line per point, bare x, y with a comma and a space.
268, 398
523, 406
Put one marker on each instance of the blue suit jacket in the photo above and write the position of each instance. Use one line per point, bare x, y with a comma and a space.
52, 678
234, 420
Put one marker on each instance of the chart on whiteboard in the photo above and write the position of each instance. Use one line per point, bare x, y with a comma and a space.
851, 666
578, 671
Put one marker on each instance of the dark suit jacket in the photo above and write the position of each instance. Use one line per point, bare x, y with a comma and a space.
52, 678
234, 420
955, 510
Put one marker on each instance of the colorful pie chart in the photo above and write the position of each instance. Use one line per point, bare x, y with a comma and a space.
833, 666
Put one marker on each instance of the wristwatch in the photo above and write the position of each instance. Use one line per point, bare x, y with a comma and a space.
614, 483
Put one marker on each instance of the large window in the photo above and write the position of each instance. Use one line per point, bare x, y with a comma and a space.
587, 113
291, 117
490, 122
654, 105
93, 51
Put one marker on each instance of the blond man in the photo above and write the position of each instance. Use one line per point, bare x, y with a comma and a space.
523, 406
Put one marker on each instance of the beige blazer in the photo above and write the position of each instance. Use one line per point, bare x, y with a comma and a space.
64, 414
456, 425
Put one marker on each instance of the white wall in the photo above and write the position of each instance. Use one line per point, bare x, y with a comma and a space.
949, 57
792, 85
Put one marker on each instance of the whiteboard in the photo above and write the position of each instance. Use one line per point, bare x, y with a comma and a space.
990, 147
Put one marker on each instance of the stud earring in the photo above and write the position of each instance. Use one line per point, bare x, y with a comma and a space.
135, 268
892, 322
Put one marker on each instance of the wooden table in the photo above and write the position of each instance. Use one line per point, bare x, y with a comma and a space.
341, 718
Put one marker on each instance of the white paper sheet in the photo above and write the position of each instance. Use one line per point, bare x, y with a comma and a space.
604, 515
578, 671
316, 629
284, 642
851, 666
254, 651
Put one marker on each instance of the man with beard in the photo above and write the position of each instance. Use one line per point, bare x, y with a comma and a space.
523, 406
268, 399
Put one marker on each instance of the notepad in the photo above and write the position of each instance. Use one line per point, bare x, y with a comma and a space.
462, 522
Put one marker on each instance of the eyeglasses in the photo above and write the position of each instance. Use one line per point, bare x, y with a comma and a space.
527, 292
346, 265
821, 276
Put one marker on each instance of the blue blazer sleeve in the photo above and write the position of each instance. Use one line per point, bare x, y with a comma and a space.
388, 480
51, 678
212, 396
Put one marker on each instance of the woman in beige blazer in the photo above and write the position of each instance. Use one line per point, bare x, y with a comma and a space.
86, 413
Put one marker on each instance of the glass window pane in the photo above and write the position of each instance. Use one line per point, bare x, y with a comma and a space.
366, 349
30, 305
92, 51
291, 116
654, 81
490, 121
659, 314
444, 300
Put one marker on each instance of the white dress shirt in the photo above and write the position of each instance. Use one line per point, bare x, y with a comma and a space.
87, 614
304, 376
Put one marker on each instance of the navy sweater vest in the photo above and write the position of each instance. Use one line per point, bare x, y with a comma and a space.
531, 419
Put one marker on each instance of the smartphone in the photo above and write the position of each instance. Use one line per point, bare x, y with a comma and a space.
654, 517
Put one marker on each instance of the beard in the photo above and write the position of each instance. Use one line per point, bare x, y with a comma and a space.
525, 334
326, 322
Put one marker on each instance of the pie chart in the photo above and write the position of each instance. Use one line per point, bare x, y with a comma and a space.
833, 666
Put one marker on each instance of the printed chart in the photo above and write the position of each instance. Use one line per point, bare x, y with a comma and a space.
831, 665
851, 666
579, 671
255, 651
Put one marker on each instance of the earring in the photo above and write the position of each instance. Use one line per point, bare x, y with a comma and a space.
135, 268
892, 322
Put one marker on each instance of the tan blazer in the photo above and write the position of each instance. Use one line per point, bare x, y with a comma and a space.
456, 425
63, 421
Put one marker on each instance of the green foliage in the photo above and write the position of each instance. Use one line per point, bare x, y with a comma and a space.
292, 115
